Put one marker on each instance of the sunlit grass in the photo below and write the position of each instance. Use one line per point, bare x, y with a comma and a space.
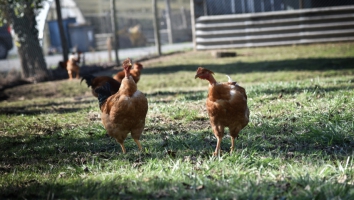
298, 145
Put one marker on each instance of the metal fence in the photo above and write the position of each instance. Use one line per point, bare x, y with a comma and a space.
239, 23
135, 21
225, 7
36, 32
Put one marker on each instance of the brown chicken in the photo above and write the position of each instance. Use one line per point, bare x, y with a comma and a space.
135, 73
227, 107
124, 111
95, 82
72, 65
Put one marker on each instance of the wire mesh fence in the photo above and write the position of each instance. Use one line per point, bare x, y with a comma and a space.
224, 7
135, 21
85, 21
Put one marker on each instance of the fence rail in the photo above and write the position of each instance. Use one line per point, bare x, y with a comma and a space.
275, 28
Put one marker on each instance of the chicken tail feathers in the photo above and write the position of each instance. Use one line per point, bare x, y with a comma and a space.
88, 79
230, 81
103, 93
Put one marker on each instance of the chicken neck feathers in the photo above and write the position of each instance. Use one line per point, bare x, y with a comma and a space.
88, 79
103, 93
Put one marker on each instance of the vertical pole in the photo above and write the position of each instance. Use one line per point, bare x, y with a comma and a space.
109, 48
272, 4
168, 22
114, 29
64, 45
205, 8
243, 6
156, 27
233, 7
193, 25
301, 4
184, 17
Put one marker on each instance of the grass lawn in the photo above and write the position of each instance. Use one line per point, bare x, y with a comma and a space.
299, 143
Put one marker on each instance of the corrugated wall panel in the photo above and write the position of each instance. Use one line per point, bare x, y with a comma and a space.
275, 28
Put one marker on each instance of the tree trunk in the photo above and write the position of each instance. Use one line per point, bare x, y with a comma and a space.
23, 61
32, 59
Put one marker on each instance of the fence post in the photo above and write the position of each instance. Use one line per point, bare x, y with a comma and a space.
64, 45
156, 27
301, 4
184, 17
233, 7
193, 24
114, 29
168, 22
109, 48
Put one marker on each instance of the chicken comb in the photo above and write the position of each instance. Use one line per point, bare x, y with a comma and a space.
203, 70
127, 62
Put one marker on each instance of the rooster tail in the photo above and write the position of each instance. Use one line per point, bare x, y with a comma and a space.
103, 93
88, 79
230, 81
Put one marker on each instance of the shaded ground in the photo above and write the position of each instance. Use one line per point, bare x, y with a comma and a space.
13, 79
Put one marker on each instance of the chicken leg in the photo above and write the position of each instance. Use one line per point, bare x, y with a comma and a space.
217, 149
123, 148
234, 134
70, 75
219, 133
232, 144
138, 143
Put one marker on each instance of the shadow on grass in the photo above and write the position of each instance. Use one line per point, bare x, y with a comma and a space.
229, 187
320, 64
35, 109
314, 89
286, 90
188, 95
195, 139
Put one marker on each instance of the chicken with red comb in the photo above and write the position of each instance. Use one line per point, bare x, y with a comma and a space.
125, 111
